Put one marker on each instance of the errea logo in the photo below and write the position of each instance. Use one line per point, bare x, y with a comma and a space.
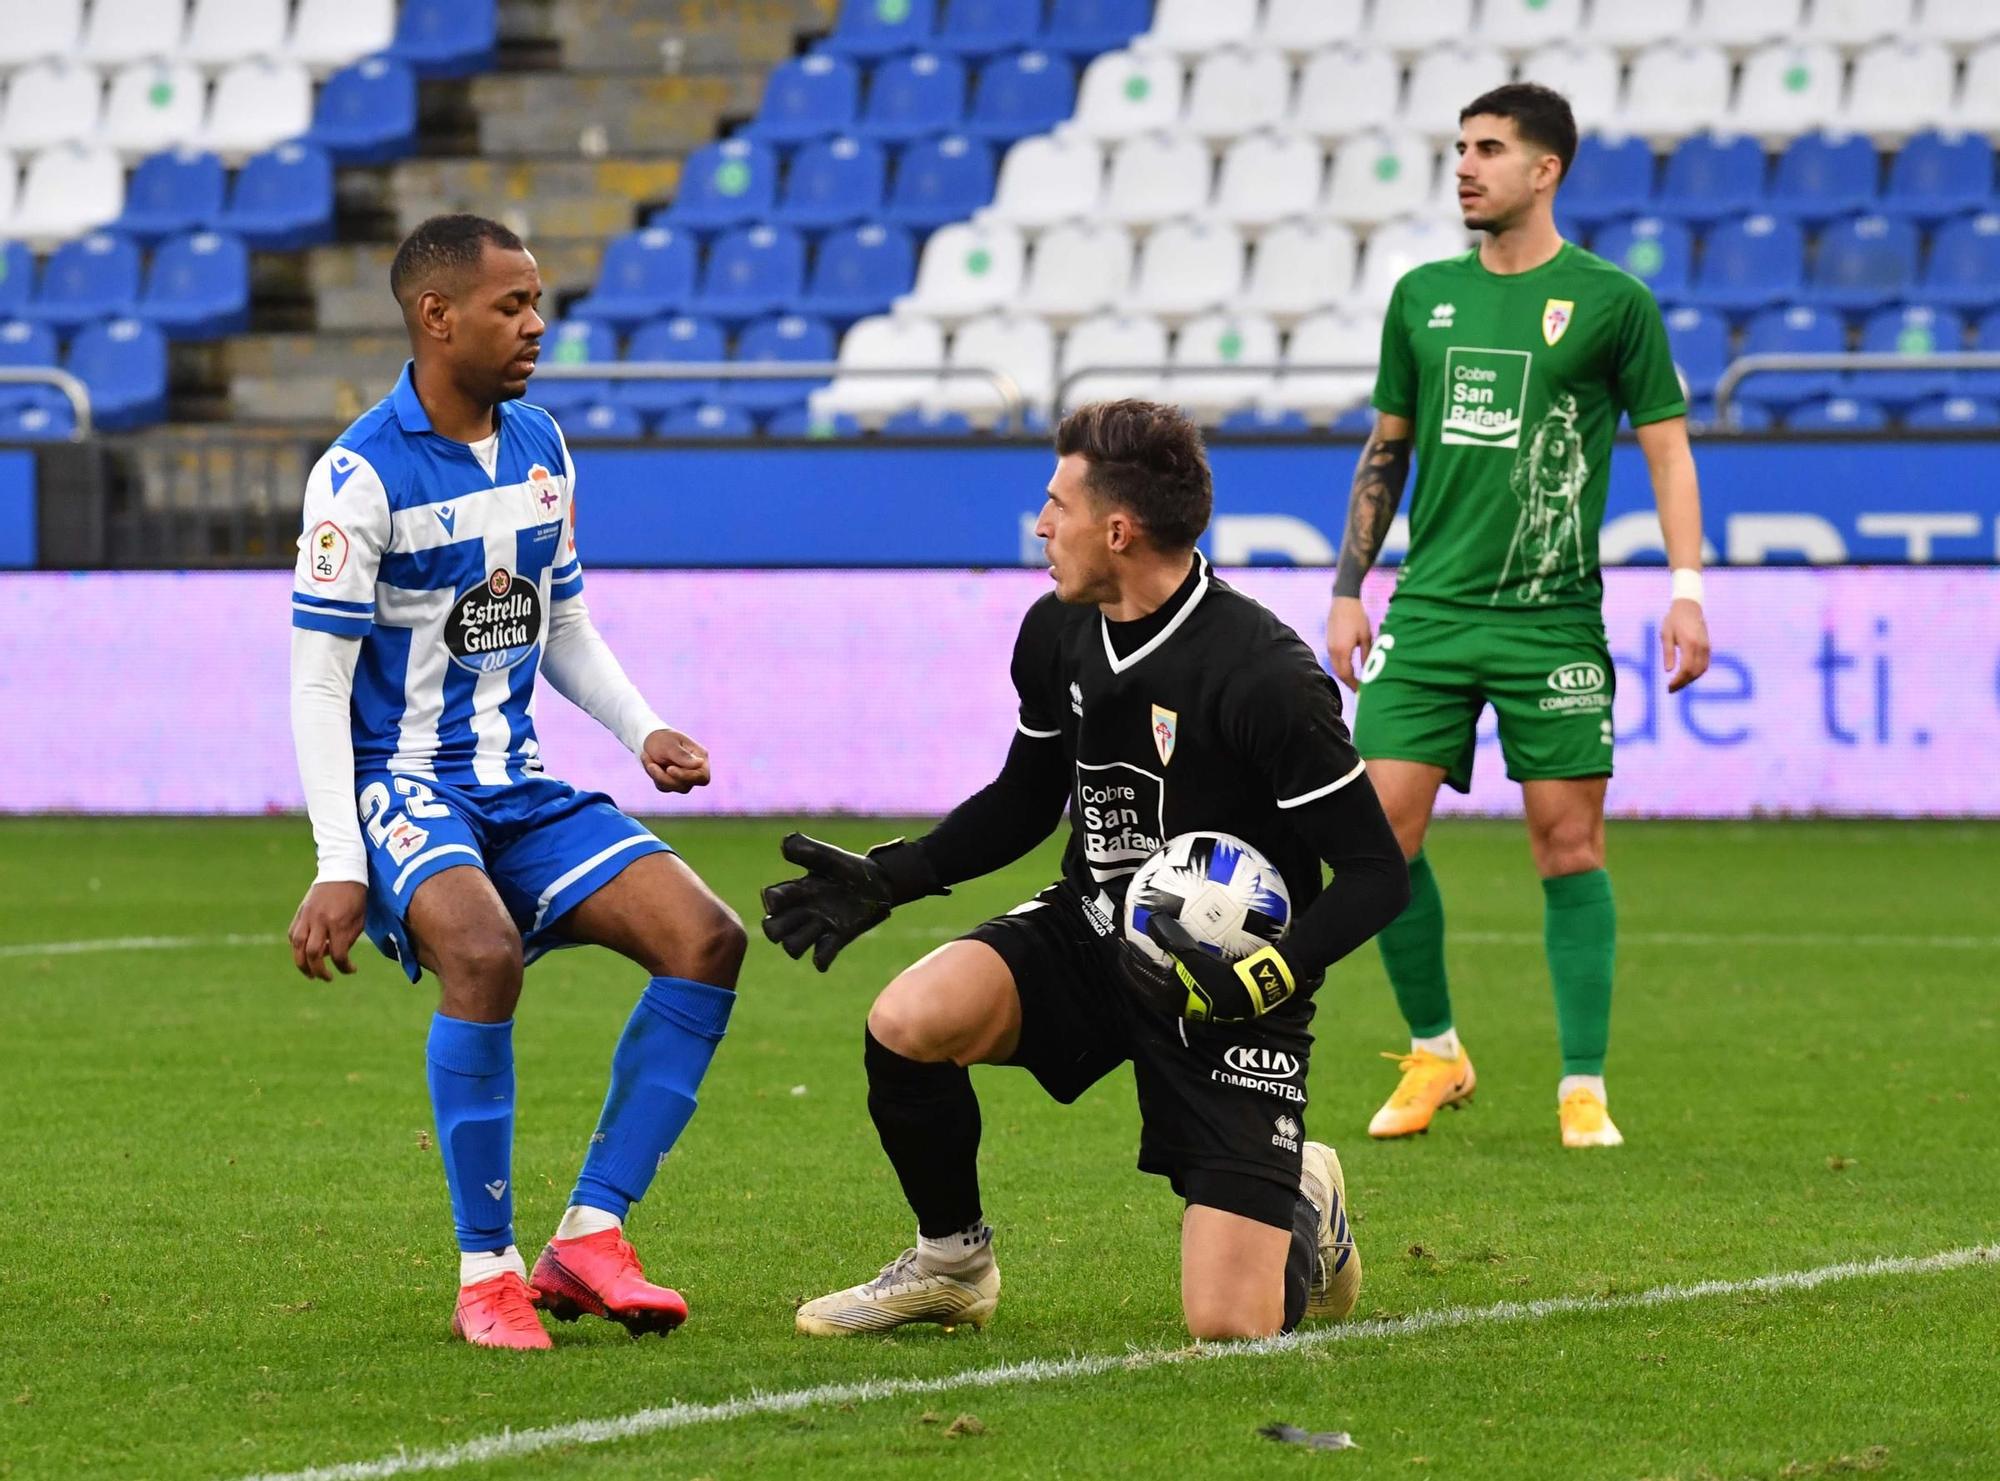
1442, 315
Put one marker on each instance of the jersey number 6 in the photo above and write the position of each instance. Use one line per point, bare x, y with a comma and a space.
1377, 656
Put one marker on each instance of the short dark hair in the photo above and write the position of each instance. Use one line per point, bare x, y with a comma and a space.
1541, 116
444, 245
1148, 459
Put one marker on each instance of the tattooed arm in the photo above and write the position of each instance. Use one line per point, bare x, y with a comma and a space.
1371, 508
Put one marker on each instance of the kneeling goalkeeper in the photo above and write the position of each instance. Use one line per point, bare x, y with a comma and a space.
1155, 701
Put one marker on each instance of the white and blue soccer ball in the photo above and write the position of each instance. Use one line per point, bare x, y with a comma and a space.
1224, 893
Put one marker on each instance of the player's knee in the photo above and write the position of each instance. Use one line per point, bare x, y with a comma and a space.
1212, 1320
717, 946
484, 960
1566, 848
905, 1021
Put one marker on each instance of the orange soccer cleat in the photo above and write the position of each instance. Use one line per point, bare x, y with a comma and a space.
499, 1313
600, 1275
1429, 1083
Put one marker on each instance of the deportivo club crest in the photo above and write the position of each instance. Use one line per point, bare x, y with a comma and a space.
1556, 314
1164, 721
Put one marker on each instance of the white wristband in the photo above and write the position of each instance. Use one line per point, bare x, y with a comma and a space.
1687, 586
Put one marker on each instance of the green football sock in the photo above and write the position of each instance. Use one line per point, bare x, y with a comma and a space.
1413, 953
1580, 931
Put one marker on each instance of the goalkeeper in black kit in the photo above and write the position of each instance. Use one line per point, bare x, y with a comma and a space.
1155, 701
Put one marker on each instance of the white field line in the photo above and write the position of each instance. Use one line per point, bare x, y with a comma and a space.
138, 943
1859, 939
677, 1416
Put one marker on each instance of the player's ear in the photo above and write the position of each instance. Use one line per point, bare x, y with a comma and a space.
434, 314
1121, 532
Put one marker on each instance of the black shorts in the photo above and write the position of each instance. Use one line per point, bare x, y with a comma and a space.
1222, 1106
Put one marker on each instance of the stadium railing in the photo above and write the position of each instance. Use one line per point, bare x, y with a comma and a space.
1013, 405
1742, 368
74, 391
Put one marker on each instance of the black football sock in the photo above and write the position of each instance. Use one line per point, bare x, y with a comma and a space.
1299, 1261
928, 1119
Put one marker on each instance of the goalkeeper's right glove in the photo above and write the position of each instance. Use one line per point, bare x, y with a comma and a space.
841, 894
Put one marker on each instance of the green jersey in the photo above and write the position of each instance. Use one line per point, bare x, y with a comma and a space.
1514, 384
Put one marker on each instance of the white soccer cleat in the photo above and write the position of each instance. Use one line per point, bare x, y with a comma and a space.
901, 1295
1336, 1278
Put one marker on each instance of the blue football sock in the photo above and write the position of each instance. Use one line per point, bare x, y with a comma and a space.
655, 1072
471, 1073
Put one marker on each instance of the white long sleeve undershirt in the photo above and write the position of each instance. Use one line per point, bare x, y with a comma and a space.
584, 671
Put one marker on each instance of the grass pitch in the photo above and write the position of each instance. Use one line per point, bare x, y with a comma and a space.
225, 1249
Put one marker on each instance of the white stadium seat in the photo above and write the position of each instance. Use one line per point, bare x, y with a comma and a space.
1852, 24
1049, 178
1788, 90
70, 189
1332, 338
47, 28
1586, 75
54, 102
1078, 270
1627, 26
1187, 268
1129, 92
1237, 92
328, 34
224, 31
1959, 22
1443, 81
1517, 26
1216, 340
122, 31
1675, 89
1378, 176
1738, 27
258, 104
1190, 28
153, 106
968, 270
1978, 105
1269, 177
1348, 90
1019, 345
1899, 87
1398, 247
1114, 340
1156, 178
1408, 28
901, 342
1300, 26
1299, 267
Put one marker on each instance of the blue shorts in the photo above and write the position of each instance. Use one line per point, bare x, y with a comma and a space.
546, 846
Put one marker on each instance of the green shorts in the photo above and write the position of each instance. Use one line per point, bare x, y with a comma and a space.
1427, 679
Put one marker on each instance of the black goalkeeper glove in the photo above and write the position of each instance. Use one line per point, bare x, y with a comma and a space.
1196, 985
841, 894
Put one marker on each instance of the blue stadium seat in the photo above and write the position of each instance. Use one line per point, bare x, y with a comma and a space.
644, 274
175, 190
282, 199
1986, 337
1015, 96
1607, 179
1819, 178
727, 184
1745, 416
604, 423
1864, 262
790, 337
124, 363
28, 421
24, 343
367, 113
681, 340
17, 277
1700, 342
447, 38
833, 182
1838, 414
1748, 263
909, 97
1358, 419
1938, 175
939, 181
918, 423
1086, 27
1796, 329
983, 28
1709, 178
93, 277
706, 422
198, 286
1659, 253
860, 272
801, 421
1910, 330
756, 270
1257, 421
880, 28
1953, 413
576, 341
808, 98
1963, 269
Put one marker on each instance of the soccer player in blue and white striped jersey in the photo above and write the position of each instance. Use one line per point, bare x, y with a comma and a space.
437, 577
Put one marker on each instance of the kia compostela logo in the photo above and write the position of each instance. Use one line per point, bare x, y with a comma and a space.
1260, 1063
1577, 678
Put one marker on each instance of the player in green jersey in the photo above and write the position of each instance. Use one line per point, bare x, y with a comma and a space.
1504, 373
